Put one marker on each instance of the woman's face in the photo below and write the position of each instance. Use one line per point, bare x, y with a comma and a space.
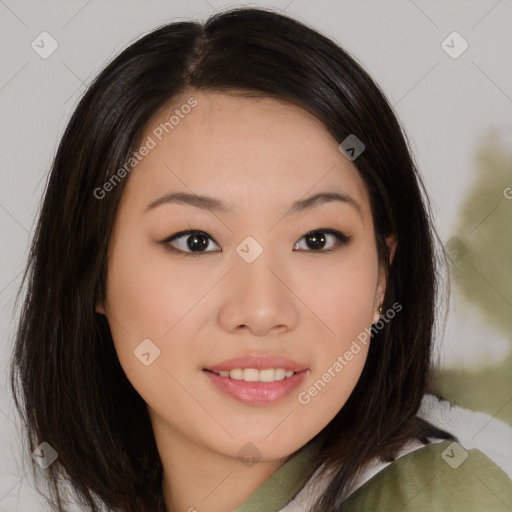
250, 285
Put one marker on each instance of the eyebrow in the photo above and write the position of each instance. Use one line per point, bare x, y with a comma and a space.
216, 205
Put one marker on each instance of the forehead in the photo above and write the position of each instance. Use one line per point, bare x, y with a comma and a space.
241, 150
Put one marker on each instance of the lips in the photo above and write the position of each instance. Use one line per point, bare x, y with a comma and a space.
253, 391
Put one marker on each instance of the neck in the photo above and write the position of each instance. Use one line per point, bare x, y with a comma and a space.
195, 478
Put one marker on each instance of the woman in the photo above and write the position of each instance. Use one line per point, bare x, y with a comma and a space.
232, 287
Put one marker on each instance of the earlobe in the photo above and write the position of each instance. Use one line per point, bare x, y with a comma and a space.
379, 295
377, 315
99, 309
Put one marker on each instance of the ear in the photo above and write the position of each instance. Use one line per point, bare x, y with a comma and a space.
100, 309
392, 243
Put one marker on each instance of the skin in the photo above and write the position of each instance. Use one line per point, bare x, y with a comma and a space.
258, 155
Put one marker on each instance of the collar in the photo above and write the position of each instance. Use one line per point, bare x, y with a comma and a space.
280, 488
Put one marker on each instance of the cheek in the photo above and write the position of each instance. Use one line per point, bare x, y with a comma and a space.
344, 301
147, 294
346, 307
330, 386
148, 299
342, 292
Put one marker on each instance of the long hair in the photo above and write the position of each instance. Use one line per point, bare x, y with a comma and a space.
68, 384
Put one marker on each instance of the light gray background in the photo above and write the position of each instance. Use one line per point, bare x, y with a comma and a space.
447, 106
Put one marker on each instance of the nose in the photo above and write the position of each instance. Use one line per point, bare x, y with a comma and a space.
259, 298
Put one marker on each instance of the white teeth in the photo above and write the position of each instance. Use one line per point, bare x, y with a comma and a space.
254, 375
280, 373
251, 375
266, 375
237, 374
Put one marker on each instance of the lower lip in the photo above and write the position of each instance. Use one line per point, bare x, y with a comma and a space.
257, 393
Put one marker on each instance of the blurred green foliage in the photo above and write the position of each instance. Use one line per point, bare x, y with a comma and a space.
481, 252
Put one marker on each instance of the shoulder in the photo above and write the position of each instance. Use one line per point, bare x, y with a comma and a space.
442, 476
472, 475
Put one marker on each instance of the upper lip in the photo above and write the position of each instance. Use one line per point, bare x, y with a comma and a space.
259, 362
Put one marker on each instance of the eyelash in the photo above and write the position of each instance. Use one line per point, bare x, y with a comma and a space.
341, 240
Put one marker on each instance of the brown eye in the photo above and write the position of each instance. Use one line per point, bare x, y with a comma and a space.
191, 242
318, 240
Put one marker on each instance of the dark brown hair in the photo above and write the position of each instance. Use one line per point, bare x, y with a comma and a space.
66, 378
